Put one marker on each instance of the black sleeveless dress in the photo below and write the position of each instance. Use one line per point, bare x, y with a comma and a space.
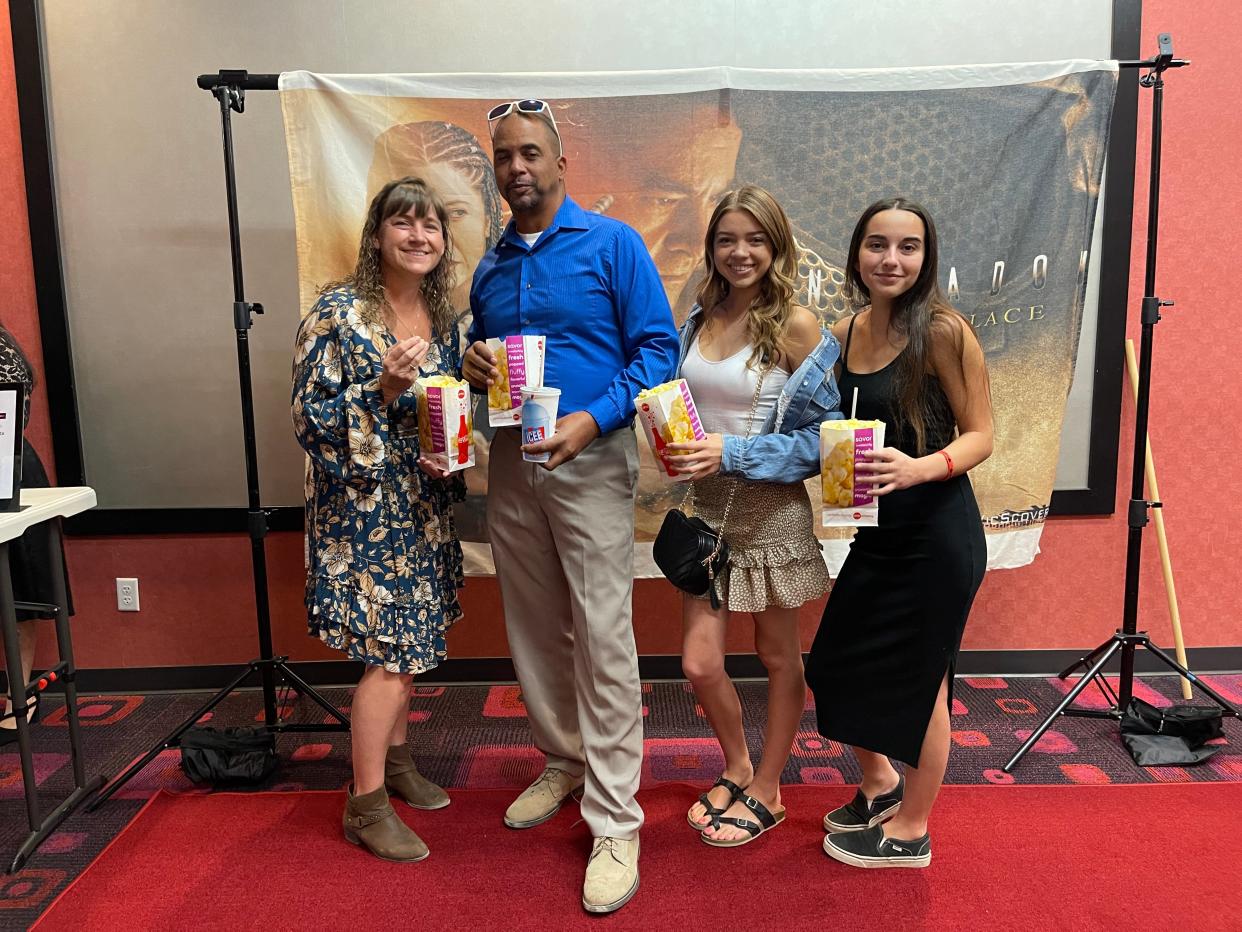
893, 623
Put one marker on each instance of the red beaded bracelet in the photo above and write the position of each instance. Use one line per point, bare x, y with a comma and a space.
949, 460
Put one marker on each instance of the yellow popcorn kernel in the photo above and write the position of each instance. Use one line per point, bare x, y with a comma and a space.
498, 394
838, 474
680, 428
656, 390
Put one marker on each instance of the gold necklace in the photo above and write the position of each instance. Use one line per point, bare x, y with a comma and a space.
398, 319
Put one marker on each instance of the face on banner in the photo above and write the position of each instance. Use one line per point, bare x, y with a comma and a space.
660, 165
458, 168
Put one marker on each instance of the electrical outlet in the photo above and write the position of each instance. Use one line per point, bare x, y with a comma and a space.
126, 595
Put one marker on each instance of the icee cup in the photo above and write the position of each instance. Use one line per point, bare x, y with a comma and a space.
668, 415
842, 445
445, 427
520, 361
539, 406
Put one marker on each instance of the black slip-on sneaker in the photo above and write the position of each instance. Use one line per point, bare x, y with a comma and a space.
869, 848
857, 814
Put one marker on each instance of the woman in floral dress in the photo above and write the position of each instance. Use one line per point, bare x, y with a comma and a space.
383, 561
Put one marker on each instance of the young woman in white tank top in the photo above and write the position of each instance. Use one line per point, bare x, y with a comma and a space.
746, 329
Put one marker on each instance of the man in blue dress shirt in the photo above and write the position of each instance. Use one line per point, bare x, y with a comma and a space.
562, 531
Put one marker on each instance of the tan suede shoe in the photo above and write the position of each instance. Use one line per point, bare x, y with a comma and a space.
369, 821
542, 799
611, 874
401, 778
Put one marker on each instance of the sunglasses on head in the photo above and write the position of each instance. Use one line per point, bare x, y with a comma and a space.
539, 108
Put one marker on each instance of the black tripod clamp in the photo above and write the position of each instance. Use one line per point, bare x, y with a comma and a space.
241, 314
1150, 310
1138, 512
1163, 61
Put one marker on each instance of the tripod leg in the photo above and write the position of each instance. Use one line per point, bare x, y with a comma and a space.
168, 742
1171, 662
1065, 704
303, 688
1110, 696
1085, 661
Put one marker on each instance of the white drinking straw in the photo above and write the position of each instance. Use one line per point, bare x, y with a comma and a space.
854, 405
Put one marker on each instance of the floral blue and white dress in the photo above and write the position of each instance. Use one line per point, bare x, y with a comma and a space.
383, 560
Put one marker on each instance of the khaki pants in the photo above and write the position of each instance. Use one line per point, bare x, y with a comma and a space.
563, 543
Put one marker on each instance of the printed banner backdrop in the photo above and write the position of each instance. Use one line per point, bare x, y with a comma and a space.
1008, 158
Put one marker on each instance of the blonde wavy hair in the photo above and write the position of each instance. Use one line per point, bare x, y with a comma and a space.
770, 312
367, 280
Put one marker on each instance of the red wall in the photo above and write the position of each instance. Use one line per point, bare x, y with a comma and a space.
197, 593
18, 312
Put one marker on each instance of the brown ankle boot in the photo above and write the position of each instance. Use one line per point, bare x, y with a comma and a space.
402, 778
369, 821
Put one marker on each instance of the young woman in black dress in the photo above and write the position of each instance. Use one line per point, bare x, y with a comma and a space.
881, 667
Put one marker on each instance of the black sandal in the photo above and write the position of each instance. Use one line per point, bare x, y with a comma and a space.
714, 814
766, 821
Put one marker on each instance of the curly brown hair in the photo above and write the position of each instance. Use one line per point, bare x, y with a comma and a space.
367, 280
770, 313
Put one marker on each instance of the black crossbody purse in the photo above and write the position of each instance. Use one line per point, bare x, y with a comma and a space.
690, 554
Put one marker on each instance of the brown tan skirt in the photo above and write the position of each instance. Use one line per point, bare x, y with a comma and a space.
774, 557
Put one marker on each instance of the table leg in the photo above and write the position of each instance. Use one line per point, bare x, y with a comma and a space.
17, 686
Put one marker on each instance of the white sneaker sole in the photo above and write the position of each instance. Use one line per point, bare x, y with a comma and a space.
845, 857
612, 907
830, 826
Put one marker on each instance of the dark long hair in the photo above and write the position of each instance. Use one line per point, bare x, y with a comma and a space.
922, 315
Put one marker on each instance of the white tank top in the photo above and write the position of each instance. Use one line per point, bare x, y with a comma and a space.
723, 391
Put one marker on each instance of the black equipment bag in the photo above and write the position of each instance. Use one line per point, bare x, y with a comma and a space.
229, 755
1176, 735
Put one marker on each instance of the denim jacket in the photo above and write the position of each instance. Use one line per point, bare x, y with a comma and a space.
786, 448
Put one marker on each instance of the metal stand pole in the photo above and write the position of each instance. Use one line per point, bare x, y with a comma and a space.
1128, 638
229, 89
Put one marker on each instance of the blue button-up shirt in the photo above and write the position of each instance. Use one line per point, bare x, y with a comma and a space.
589, 286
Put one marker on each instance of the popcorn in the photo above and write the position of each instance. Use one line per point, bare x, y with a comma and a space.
668, 416
842, 444
520, 361
445, 428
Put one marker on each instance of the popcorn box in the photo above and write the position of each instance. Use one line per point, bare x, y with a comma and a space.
445, 430
668, 416
520, 361
842, 444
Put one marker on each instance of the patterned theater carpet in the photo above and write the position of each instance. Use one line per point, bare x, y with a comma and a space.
476, 737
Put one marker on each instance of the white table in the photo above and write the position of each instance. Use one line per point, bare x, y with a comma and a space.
39, 506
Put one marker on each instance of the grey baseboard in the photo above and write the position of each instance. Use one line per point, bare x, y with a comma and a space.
651, 667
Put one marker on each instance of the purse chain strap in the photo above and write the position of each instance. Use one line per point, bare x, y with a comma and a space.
724, 519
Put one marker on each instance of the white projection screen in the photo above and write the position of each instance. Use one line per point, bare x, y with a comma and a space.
139, 182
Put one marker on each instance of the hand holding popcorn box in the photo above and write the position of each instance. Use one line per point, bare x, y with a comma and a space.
520, 361
445, 429
843, 444
668, 415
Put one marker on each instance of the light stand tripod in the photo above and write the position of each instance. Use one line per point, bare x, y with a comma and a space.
229, 89
1128, 638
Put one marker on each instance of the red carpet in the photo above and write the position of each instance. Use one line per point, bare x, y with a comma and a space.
1007, 857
